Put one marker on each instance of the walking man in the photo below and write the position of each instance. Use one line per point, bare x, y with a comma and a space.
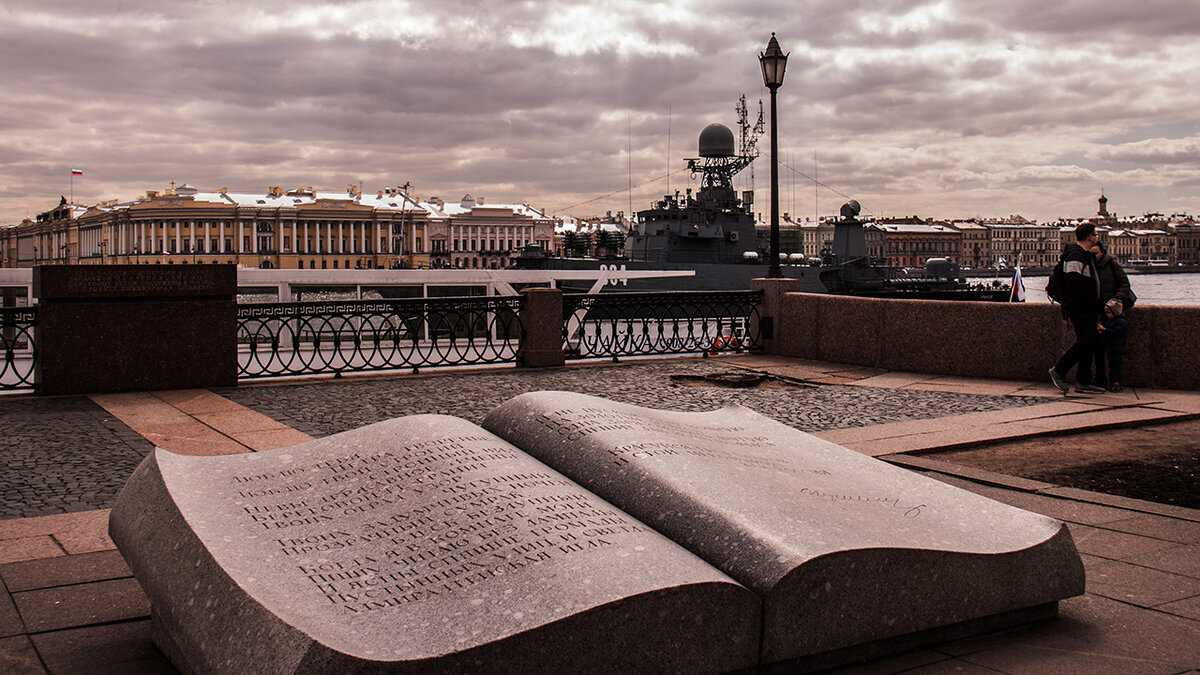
1081, 303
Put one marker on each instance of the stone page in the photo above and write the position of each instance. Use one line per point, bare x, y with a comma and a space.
843, 548
419, 543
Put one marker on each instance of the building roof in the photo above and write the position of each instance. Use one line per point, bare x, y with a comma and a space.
918, 229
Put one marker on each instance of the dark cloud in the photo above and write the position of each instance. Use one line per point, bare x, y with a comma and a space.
906, 103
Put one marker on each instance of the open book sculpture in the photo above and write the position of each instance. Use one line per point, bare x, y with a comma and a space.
571, 533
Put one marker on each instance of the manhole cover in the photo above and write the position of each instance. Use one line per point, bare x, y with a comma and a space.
735, 380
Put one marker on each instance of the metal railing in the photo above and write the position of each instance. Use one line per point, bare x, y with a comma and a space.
629, 324
17, 334
302, 338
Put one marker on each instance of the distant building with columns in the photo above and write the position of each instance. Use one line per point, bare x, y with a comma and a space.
300, 228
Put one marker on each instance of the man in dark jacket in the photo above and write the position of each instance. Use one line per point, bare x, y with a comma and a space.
1081, 303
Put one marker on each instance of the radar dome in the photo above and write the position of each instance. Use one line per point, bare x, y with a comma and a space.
716, 141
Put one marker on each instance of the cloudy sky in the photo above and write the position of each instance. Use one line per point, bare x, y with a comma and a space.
949, 109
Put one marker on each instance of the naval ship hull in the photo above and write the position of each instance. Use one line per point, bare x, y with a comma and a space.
736, 277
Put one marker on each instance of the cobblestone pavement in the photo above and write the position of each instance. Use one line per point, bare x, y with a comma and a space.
321, 409
59, 455
67, 454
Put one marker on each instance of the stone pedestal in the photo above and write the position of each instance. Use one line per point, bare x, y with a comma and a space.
541, 323
112, 328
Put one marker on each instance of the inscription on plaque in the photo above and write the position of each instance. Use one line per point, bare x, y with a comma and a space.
72, 282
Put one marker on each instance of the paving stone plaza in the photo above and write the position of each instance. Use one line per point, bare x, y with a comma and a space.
69, 604
46, 470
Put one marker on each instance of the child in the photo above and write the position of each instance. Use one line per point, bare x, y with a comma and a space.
1113, 331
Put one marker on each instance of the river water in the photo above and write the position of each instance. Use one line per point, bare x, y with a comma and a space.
1151, 289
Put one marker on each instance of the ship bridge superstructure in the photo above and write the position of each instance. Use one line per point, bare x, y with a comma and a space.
710, 226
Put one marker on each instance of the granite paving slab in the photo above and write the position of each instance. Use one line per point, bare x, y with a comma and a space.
1140, 586
1170, 529
81, 605
64, 571
1094, 634
1189, 608
123, 647
30, 548
1113, 545
10, 620
18, 657
1183, 560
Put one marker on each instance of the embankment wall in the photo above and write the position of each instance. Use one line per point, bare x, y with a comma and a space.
1018, 341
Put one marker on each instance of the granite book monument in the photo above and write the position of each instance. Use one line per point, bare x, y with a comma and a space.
571, 533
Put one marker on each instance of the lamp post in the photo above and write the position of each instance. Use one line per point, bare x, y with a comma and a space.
773, 62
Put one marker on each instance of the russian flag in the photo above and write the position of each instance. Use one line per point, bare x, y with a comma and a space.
76, 172
1018, 286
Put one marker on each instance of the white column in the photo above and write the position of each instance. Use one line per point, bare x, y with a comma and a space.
341, 238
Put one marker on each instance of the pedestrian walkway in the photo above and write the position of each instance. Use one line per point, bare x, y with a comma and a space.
70, 604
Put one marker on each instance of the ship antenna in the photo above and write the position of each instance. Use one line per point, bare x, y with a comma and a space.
668, 149
749, 133
629, 155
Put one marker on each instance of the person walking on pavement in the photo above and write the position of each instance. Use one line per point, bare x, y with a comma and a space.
1115, 292
1081, 303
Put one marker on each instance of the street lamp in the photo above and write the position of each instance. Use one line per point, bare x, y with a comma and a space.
773, 62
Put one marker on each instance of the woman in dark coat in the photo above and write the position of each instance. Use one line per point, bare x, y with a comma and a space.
1114, 292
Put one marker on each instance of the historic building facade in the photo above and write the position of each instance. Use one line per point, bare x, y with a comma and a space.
284, 229
473, 234
910, 245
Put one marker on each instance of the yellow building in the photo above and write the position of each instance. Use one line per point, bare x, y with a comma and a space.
282, 229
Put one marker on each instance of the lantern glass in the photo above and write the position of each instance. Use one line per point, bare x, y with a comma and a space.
774, 62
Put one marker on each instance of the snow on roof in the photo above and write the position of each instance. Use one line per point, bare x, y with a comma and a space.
918, 229
451, 209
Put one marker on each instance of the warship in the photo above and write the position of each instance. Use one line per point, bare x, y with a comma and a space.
712, 233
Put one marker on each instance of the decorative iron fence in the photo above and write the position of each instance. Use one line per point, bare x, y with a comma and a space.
628, 324
301, 338
17, 334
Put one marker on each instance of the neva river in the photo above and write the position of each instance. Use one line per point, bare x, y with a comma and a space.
1151, 289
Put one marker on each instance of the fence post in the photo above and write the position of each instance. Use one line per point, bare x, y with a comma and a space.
541, 329
770, 316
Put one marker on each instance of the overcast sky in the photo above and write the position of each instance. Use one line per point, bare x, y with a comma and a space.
947, 109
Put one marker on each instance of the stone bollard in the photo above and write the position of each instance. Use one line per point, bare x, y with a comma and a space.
770, 314
541, 329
